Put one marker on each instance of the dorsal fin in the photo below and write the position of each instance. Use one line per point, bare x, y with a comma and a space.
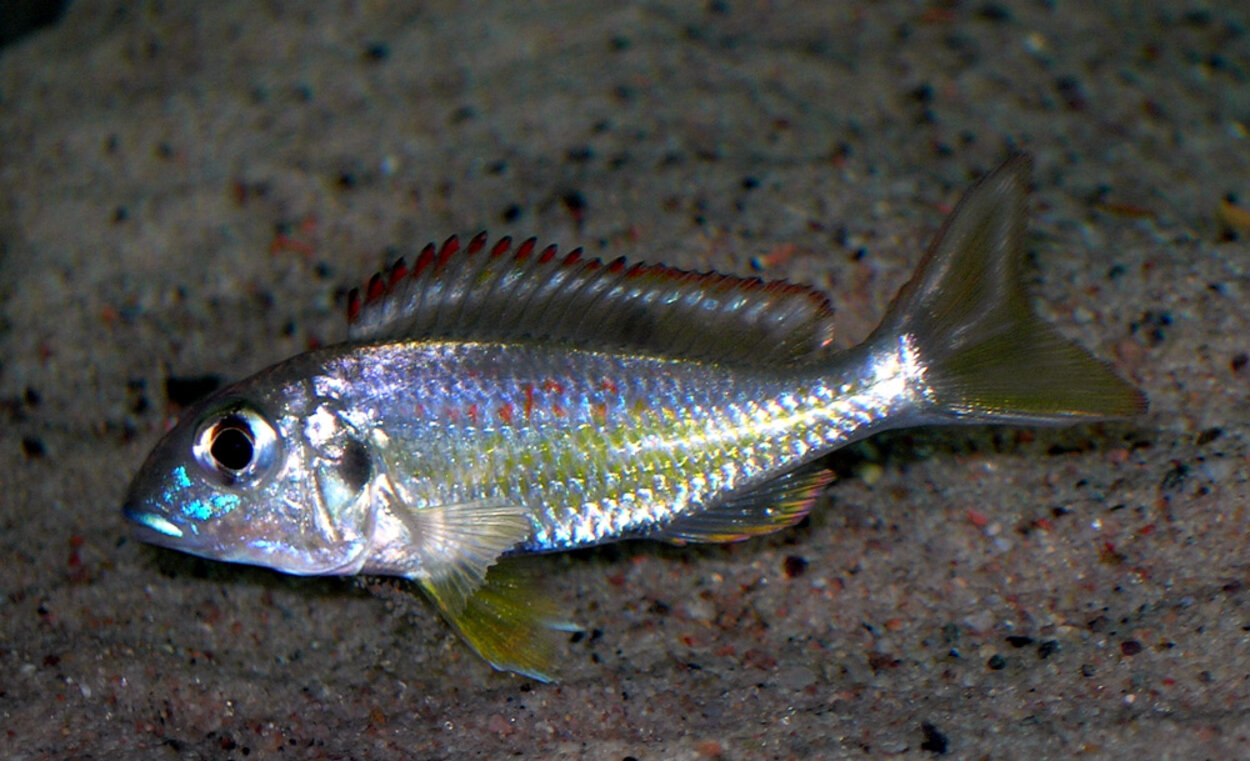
506, 293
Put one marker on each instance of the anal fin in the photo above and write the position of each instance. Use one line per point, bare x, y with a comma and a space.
777, 504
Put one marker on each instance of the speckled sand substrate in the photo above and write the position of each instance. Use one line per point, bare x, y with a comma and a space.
188, 188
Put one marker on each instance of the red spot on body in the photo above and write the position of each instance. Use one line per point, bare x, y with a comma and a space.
599, 410
607, 385
472, 413
977, 519
558, 410
529, 400
552, 386
505, 413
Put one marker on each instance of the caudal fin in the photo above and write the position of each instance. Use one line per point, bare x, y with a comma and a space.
987, 356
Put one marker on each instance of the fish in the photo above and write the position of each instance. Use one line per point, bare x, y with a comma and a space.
496, 400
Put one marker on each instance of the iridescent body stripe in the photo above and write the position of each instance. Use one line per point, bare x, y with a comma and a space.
601, 446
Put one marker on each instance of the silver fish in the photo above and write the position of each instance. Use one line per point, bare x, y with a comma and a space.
499, 400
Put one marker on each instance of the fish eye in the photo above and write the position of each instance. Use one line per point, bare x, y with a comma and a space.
233, 444
236, 446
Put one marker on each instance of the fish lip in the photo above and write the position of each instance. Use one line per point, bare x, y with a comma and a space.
151, 526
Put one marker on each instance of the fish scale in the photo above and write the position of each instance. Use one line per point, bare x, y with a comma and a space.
499, 400
676, 437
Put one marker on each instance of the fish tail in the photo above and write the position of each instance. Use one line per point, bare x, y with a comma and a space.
986, 356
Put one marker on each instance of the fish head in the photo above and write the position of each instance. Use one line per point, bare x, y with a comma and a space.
267, 479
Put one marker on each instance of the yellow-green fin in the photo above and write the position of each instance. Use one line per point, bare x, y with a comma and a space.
987, 357
507, 620
779, 503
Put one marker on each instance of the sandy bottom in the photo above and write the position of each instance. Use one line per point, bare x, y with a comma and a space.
188, 189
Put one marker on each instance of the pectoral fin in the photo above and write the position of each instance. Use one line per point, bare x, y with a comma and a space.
777, 504
457, 543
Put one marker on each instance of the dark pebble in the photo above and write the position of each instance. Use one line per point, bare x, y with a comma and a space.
32, 447
934, 741
1207, 436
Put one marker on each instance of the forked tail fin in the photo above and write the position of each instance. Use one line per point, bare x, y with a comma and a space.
987, 356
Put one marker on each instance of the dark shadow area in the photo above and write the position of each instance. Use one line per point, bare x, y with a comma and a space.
22, 17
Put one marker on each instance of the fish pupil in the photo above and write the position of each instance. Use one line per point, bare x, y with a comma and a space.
232, 446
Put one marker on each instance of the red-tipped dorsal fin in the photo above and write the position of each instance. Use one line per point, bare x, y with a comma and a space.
477, 244
375, 290
353, 305
525, 249
424, 261
501, 247
535, 294
399, 271
449, 249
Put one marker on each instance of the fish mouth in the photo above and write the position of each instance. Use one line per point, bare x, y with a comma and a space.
151, 526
